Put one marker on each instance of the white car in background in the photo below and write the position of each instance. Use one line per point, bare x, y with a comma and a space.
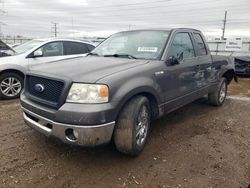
35, 52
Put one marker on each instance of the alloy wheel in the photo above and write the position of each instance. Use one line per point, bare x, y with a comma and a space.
142, 125
223, 91
10, 86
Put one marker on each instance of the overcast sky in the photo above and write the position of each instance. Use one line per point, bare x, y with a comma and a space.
33, 18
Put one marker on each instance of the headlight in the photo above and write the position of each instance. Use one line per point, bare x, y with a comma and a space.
88, 93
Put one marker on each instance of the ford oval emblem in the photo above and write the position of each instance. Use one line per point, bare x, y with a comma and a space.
39, 88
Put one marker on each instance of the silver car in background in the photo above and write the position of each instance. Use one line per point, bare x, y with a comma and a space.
35, 52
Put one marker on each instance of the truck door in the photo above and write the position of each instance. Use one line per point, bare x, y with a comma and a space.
180, 77
204, 61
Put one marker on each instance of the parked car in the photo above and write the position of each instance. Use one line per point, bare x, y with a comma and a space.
5, 49
242, 63
131, 78
35, 52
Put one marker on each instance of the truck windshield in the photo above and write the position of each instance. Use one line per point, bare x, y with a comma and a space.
134, 44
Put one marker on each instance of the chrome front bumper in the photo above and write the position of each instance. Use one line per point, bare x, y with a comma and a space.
92, 135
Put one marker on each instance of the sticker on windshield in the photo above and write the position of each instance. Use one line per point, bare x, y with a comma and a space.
147, 49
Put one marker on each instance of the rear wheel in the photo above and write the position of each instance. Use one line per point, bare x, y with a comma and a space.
218, 97
11, 85
133, 126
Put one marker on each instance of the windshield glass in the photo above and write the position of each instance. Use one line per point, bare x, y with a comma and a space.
27, 46
137, 44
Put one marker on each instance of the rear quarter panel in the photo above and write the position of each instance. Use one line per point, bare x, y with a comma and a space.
222, 64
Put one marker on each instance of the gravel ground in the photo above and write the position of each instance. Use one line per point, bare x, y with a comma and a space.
195, 146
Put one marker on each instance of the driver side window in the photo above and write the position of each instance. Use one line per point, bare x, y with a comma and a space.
182, 44
52, 49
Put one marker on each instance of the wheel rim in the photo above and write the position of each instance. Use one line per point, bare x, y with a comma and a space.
142, 126
223, 91
10, 86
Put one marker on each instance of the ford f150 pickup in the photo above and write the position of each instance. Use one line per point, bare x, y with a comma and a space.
130, 79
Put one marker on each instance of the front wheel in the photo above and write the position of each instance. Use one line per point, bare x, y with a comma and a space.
11, 85
132, 126
218, 97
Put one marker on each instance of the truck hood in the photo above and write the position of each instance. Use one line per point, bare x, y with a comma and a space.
86, 69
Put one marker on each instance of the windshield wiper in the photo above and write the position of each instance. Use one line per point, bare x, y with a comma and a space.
121, 55
92, 53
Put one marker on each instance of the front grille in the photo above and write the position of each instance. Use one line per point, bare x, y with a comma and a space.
52, 88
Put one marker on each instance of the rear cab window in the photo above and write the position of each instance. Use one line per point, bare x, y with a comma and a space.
200, 44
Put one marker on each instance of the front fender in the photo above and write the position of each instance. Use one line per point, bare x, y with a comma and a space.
19, 68
133, 87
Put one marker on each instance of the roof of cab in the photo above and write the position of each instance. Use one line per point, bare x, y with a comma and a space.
162, 29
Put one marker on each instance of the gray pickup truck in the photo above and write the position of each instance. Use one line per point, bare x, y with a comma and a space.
130, 79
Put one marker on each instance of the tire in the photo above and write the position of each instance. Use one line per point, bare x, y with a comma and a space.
132, 126
12, 81
218, 97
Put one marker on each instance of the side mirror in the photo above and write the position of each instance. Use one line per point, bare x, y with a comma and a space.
38, 53
172, 60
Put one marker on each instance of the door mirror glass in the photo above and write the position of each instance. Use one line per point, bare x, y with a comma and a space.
173, 60
38, 53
